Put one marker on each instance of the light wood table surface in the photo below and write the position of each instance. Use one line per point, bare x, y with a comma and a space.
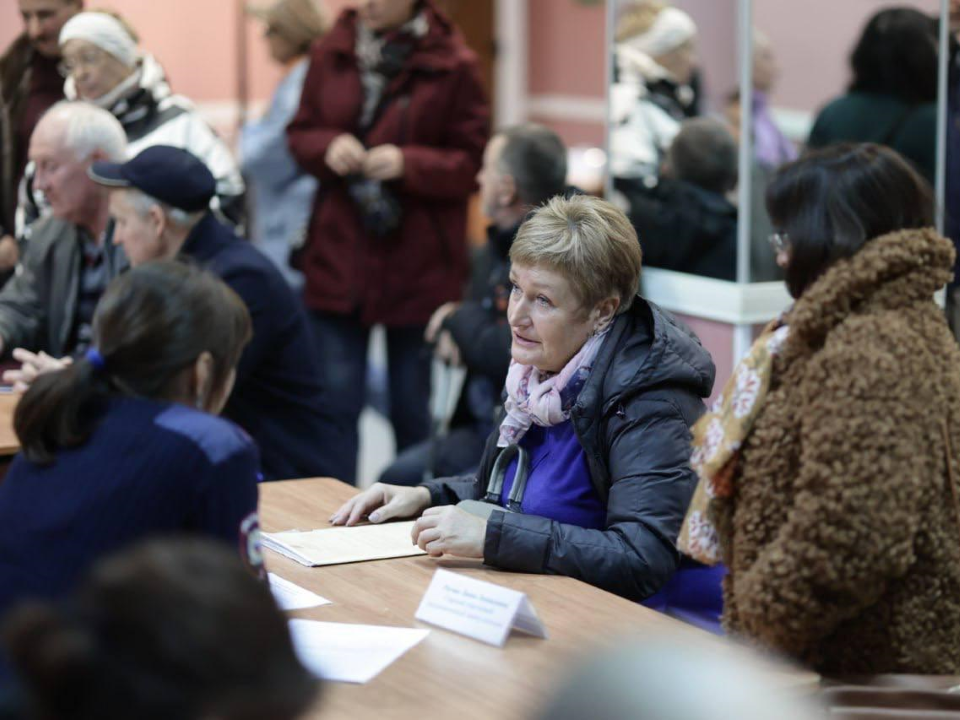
447, 675
9, 444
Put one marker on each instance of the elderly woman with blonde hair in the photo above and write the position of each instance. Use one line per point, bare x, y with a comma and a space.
587, 473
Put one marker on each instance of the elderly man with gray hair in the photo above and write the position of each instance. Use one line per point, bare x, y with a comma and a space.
48, 305
160, 201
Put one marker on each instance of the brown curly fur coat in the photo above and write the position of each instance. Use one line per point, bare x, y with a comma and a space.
842, 536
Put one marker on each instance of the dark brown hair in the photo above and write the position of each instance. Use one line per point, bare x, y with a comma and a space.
173, 628
151, 325
832, 201
897, 55
704, 154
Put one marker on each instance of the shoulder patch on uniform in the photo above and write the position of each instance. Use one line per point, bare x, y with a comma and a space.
219, 439
251, 550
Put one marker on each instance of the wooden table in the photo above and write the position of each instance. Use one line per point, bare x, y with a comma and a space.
447, 675
9, 444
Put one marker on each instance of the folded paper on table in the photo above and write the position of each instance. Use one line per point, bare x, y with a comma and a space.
345, 652
478, 609
333, 546
290, 596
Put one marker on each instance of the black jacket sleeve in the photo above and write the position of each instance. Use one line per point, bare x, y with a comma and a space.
450, 491
648, 449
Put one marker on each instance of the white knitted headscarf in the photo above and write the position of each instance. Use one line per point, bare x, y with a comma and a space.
636, 55
104, 31
671, 29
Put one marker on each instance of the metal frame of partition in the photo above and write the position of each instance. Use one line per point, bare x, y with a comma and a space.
744, 304
942, 90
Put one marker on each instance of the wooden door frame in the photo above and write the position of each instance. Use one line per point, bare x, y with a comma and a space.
512, 62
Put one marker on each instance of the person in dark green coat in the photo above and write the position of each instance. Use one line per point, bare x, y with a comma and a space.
893, 97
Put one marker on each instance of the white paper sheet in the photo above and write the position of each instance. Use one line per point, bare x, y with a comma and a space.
350, 653
290, 596
336, 545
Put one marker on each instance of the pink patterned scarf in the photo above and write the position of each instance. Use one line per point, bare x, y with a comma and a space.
543, 398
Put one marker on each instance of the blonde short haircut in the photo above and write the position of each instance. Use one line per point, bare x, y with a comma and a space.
638, 18
588, 241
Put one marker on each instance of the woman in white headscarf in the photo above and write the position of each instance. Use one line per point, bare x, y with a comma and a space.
103, 65
655, 66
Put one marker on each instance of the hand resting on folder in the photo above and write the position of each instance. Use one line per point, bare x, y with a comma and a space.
439, 530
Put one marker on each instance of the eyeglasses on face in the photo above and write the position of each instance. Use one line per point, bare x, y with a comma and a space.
86, 59
780, 242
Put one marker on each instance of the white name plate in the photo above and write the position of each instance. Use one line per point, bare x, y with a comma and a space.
478, 609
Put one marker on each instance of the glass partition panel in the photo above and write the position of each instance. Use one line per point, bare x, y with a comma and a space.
676, 112
826, 72
673, 154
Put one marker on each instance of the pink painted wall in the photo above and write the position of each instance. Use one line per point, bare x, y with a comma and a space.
810, 78
566, 48
567, 56
9, 22
575, 132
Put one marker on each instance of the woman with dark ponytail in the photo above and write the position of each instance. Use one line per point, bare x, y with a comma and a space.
123, 444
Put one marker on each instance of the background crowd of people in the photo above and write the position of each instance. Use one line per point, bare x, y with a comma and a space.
658, 87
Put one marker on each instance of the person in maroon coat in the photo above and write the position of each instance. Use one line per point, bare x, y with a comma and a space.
393, 121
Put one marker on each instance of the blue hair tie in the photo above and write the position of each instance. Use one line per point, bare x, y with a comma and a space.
96, 359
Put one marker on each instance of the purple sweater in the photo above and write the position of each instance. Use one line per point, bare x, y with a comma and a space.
558, 482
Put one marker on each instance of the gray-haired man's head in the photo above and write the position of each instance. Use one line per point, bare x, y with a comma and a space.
704, 154
523, 167
69, 138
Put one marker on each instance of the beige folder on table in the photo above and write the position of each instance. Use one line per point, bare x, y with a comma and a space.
337, 545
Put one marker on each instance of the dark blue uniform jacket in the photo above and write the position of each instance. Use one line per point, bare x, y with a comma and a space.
279, 394
149, 468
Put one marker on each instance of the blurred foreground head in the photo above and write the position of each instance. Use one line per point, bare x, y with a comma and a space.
173, 629
669, 679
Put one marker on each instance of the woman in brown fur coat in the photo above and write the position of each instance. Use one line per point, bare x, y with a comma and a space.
839, 519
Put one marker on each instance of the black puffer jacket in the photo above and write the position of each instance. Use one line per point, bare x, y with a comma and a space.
683, 227
632, 419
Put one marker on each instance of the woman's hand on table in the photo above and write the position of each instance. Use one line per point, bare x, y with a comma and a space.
448, 530
382, 502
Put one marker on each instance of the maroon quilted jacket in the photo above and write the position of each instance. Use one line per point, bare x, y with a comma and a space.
437, 112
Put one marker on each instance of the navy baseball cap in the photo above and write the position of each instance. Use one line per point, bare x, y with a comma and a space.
169, 174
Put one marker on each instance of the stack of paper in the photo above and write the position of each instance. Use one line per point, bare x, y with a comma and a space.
350, 653
337, 545
293, 597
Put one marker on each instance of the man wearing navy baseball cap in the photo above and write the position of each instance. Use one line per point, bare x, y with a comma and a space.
164, 193
160, 203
